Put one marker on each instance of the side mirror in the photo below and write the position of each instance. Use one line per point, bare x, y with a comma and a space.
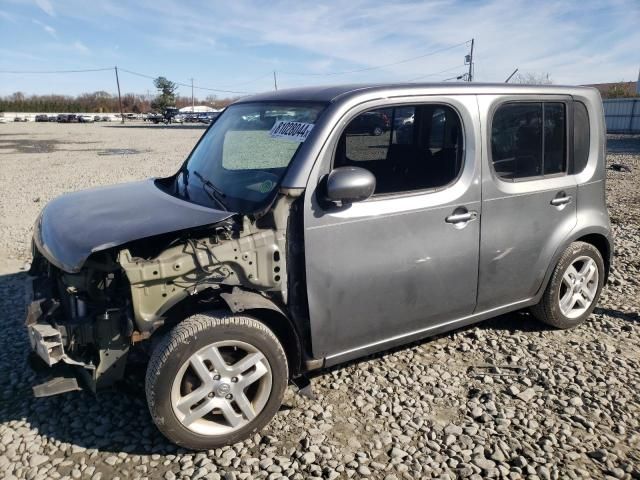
350, 184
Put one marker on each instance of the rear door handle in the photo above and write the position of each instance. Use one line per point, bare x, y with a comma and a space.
461, 217
560, 201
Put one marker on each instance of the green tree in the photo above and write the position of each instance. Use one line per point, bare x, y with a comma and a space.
166, 94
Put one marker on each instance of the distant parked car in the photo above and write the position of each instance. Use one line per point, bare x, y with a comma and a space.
154, 117
52, 118
178, 118
207, 117
42, 118
106, 118
97, 118
20, 119
62, 118
373, 123
85, 119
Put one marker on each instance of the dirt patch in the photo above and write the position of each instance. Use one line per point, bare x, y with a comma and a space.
119, 151
20, 145
28, 145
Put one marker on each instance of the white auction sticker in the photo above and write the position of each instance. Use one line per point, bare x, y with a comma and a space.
292, 131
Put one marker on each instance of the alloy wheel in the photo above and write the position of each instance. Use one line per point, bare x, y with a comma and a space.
579, 287
221, 388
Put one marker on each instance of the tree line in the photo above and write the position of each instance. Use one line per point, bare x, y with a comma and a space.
104, 102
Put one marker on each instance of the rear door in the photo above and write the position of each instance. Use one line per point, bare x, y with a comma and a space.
529, 199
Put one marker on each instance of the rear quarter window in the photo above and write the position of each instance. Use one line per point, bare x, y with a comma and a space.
581, 136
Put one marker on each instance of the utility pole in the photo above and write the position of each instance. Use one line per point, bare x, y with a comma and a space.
275, 80
470, 75
119, 97
192, 103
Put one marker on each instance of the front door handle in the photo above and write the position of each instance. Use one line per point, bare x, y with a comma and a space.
461, 217
556, 202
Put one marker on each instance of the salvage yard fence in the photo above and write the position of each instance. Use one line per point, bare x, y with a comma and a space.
622, 115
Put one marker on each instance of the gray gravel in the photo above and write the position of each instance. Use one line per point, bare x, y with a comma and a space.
506, 399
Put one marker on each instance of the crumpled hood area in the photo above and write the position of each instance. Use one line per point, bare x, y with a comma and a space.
75, 225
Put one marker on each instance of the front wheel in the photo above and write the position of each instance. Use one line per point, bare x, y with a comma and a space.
215, 379
574, 287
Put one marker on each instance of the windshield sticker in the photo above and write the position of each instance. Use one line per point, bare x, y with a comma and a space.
292, 131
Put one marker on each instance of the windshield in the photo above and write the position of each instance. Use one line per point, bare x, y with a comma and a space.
240, 161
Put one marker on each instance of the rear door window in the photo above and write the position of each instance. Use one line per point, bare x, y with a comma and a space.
529, 139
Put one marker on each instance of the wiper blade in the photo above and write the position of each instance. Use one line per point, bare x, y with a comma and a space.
215, 193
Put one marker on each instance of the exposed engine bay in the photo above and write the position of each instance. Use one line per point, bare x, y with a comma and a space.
90, 319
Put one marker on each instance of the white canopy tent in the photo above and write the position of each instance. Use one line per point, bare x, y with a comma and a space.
197, 109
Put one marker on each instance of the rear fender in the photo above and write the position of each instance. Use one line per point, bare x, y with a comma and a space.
582, 234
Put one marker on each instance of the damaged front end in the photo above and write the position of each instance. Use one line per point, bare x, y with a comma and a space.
79, 324
84, 324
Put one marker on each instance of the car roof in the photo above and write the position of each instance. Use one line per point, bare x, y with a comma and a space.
332, 93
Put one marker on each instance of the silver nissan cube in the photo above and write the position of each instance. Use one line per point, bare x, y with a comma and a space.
309, 227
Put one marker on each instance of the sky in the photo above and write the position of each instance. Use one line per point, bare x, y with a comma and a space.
233, 47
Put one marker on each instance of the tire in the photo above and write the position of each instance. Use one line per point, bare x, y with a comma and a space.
239, 401
565, 306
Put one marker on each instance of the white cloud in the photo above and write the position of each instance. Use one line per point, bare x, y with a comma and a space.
46, 6
574, 41
81, 47
7, 16
47, 28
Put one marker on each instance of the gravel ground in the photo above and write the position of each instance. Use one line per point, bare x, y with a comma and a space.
507, 399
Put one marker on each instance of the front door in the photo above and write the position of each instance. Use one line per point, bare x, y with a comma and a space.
405, 261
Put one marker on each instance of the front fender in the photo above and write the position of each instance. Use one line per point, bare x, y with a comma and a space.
274, 316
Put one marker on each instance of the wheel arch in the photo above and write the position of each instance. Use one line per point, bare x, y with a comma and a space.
604, 247
245, 302
599, 237
272, 315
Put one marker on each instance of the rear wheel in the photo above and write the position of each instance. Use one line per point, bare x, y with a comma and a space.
215, 380
574, 287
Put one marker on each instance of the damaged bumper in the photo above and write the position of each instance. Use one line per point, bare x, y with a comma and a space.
47, 348
85, 351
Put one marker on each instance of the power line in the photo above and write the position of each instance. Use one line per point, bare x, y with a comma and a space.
366, 69
56, 71
185, 84
435, 73
379, 66
457, 77
86, 70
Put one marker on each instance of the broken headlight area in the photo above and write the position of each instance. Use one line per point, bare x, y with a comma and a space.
79, 323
